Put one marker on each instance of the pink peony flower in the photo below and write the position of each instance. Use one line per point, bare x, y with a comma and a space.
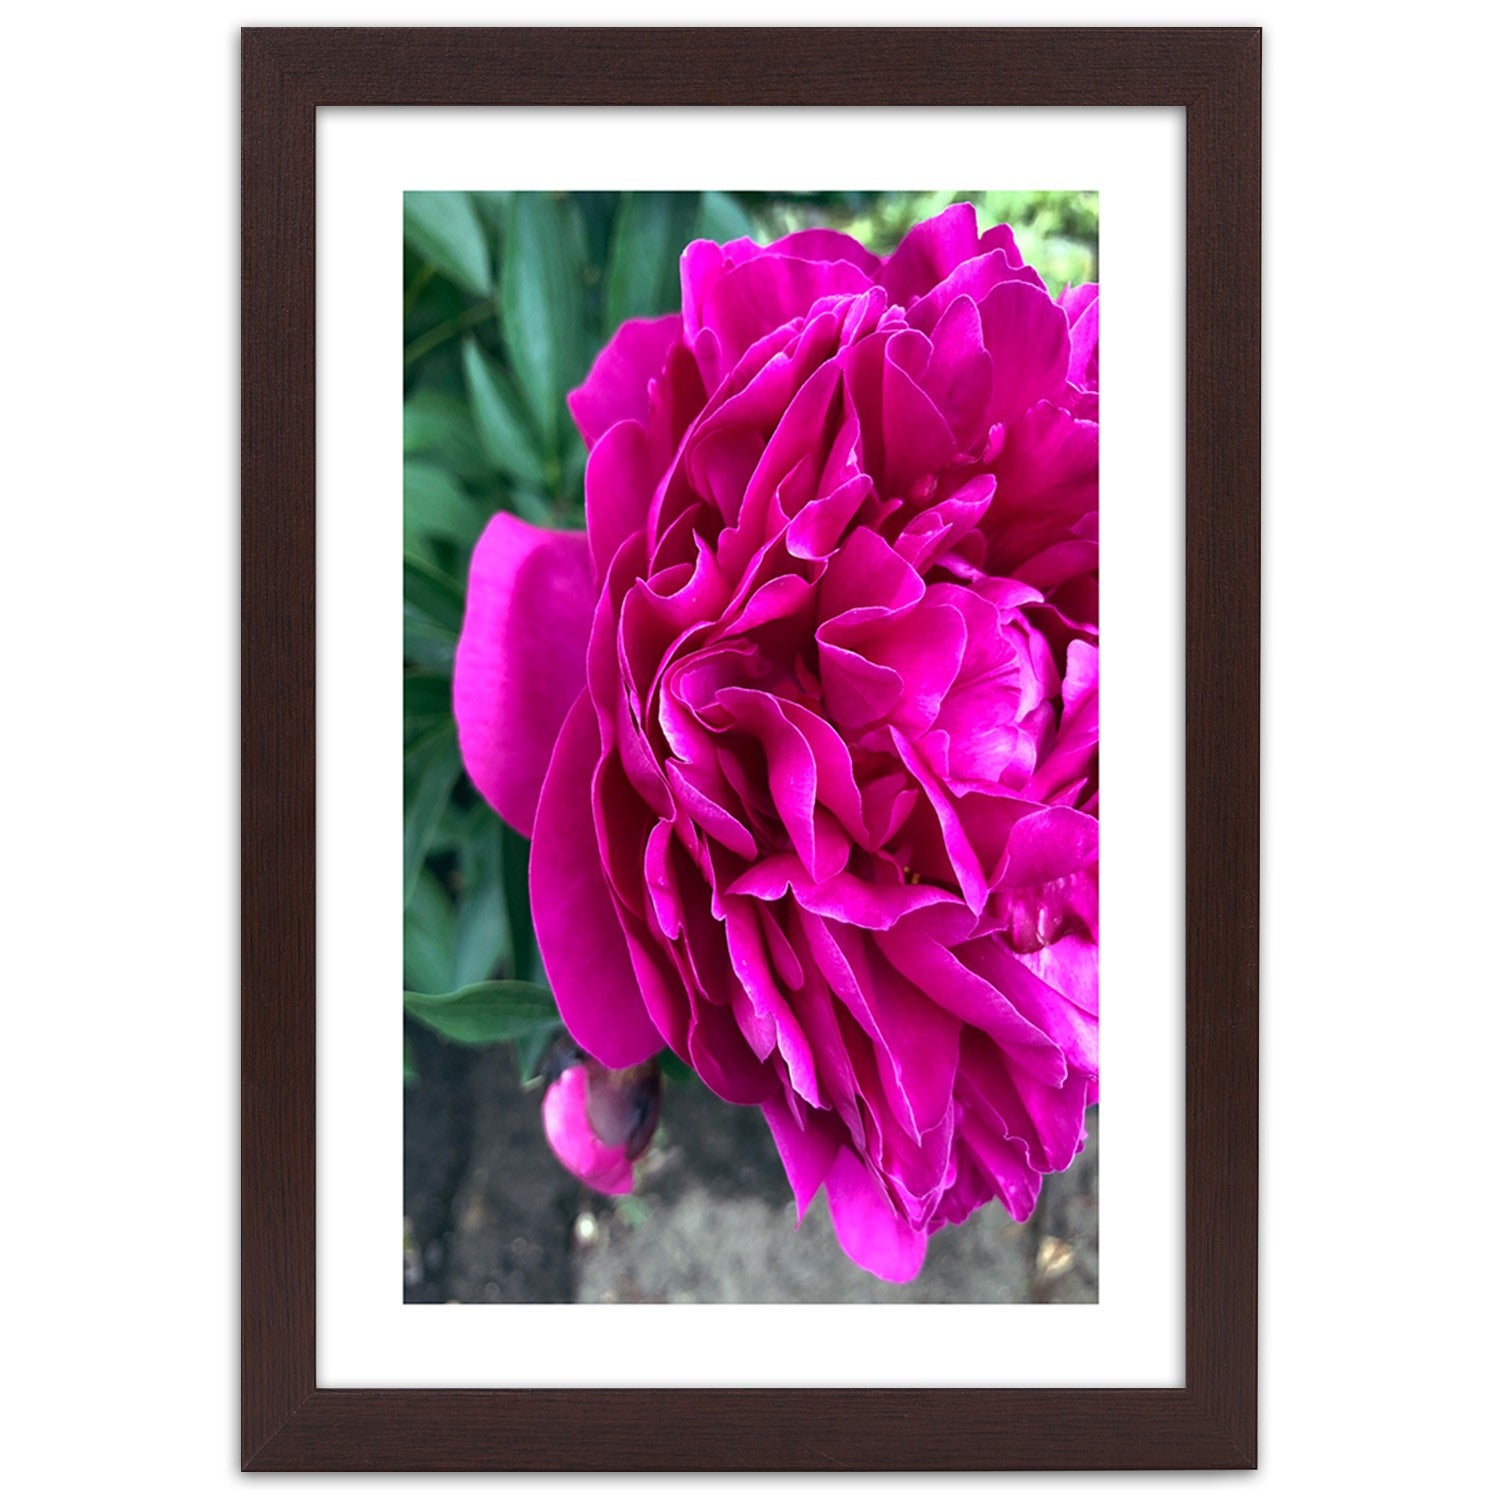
805, 727
598, 1122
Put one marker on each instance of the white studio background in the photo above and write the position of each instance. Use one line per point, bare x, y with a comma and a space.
121, 632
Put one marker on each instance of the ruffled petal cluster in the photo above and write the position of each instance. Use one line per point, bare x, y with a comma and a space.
805, 727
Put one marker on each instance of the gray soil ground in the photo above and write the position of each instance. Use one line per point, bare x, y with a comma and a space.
492, 1217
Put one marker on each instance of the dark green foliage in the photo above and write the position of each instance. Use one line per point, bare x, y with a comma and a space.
481, 1014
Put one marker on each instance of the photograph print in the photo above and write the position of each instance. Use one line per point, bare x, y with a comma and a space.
751, 747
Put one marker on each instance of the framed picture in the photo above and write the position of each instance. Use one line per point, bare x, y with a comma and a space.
812, 455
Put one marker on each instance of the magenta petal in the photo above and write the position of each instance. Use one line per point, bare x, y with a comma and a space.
914, 1042
970, 996
520, 660
619, 384
1083, 366
975, 279
959, 377
577, 929
1072, 1028
703, 265
1071, 967
807, 1150
1048, 473
924, 649
719, 1052
758, 297
762, 1007
961, 854
856, 691
904, 437
866, 579
930, 252
816, 528
792, 771
1046, 1119
827, 244
617, 490
1001, 237
872, 1234
1027, 335
1004, 1162
1048, 845
1073, 753
1076, 300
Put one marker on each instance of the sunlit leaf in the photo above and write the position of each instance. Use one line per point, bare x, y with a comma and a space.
425, 645
492, 208
444, 230
437, 426
651, 230
429, 786
482, 934
721, 218
435, 505
541, 304
427, 943
498, 418
435, 593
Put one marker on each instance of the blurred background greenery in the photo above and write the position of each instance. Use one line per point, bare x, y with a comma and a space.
508, 298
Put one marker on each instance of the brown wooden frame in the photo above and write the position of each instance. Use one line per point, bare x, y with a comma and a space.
287, 1421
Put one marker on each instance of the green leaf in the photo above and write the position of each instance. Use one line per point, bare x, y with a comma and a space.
498, 418
531, 1051
427, 793
643, 280
434, 504
426, 697
532, 507
721, 219
597, 213
575, 462
482, 934
633, 1212
492, 209
432, 593
444, 230
427, 927
516, 861
427, 713
410, 1078
425, 645
541, 304
418, 734
437, 425
673, 1066
430, 302
503, 1010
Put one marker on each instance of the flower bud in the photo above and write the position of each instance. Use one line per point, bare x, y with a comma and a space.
599, 1121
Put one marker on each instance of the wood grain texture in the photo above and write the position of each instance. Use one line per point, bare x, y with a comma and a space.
1223, 742
277, 749
287, 1423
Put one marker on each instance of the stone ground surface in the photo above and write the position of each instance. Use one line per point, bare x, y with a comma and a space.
492, 1217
